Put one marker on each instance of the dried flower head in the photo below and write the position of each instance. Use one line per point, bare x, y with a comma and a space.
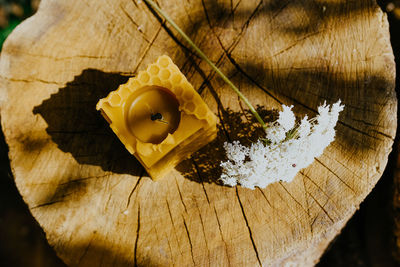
285, 150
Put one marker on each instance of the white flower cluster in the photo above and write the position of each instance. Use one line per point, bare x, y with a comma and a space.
285, 151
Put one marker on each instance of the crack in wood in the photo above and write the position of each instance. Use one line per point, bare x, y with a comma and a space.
277, 240
383, 134
47, 203
251, 79
344, 166
85, 251
294, 199
364, 122
136, 5
168, 31
190, 241
23, 52
134, 23
322, 207
224, 130
206, 79
187, 13
363, 132
234, 9
245, 114
147, 49
248, 227
84, 179
296, 42
284, 201
204, 233
201, 179
137, 237
319, 188
280, 9
272, 207
313, 222
180, 195
134, 188
308, 205
170, 251
222, 236
32, 81
226, 51
337, 176
173, 226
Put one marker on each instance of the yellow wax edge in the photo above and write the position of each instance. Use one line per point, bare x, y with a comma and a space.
188, 126
195, 116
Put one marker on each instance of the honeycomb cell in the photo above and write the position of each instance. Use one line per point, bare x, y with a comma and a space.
190, 107
188, 95
154, 69
165, 74
174, 69
178, 90
164, 61
144, 77
176, 79
115, 99
133, 83
156, 81
167, 84
124, 92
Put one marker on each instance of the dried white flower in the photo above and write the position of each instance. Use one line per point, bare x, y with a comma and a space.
275, 134
286, 118
287, 152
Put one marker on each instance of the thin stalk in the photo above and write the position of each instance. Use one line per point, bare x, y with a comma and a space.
205, 58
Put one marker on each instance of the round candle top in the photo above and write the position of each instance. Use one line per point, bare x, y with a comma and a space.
152, 113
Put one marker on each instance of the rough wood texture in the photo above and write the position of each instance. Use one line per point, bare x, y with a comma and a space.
396, 202
93, 199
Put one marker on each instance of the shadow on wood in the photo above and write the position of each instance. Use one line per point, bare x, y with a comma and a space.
284, 14
20, 233
204, 165
97, 255
78, 128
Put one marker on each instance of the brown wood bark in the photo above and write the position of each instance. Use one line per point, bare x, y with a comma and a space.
93, 199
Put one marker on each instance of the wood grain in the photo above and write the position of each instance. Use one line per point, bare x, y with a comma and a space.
94, 201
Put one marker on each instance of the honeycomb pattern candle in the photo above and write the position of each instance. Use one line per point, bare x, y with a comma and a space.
159, 117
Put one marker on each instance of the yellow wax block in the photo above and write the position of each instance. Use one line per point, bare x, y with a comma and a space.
159, 117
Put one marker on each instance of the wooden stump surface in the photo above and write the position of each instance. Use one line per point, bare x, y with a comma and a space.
94, 201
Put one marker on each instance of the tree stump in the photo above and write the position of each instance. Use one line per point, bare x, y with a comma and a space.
94, 201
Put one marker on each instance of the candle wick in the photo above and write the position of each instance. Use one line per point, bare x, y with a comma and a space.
158, 117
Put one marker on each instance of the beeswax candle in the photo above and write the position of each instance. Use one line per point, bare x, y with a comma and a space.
159, 117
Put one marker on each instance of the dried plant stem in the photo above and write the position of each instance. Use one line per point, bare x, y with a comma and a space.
205, 58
